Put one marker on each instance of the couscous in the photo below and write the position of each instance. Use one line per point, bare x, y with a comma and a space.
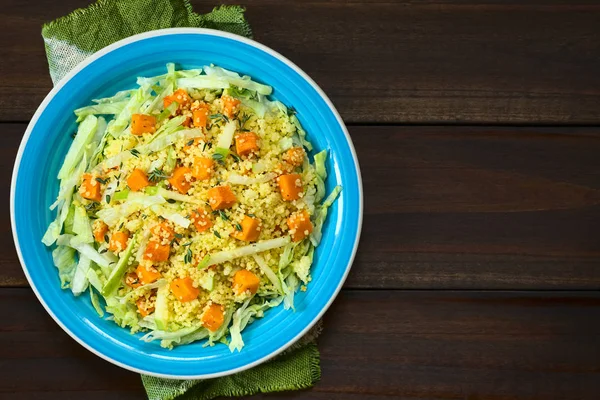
189, 206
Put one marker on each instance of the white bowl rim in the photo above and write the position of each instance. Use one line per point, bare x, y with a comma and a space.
143, 36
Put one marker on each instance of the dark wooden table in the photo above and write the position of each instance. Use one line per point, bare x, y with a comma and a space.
477, 126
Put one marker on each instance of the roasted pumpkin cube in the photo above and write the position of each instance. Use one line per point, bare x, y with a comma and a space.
221, 197
118, 242
244, 280
137, 180
147, 274
181, 179
183, 289
300, 225
156, 251
180, 96
213, 317
201, 220
90, 188
290, 186
142, 123
246, 143
203, 168
250, 229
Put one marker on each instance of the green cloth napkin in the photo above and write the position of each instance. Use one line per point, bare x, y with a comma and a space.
70, 40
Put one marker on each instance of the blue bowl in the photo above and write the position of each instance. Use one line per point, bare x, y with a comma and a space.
115, 68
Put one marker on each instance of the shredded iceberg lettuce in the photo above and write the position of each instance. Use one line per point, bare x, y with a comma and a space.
272, 276
122, 95
84, 249
119, 270
135, 202
64, 261
84, 136
80, 280
102, 108
117, 126
96, 303
82, 226
321, 214
237, 179
254, 248
234, 79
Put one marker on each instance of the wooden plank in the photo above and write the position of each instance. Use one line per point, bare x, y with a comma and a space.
478, 208
380, 344
456, 62
456, 208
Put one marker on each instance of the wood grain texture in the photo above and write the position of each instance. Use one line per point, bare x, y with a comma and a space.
454, 62
377, 344
455, 208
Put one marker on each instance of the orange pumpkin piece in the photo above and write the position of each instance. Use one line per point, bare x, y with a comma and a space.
118, 242
300, 225
290, 186
200, 116
180, 179
132, 280
90, 188
244, 280
201, 220
99, 228
221, 197
144, 307
213, 317
147, 274
142, 123
284, 168
203, 168
137, 180
184, 290
193, 143
157, 252
250, 229
230, 105
163, 231
294, 156
246, 143
180, 96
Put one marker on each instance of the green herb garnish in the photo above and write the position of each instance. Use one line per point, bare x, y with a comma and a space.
188, 256
217, 234
243, 119
219, 116
157, 175
218, 157
223, 215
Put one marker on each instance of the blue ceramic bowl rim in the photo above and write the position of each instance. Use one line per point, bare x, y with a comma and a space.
141, 37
